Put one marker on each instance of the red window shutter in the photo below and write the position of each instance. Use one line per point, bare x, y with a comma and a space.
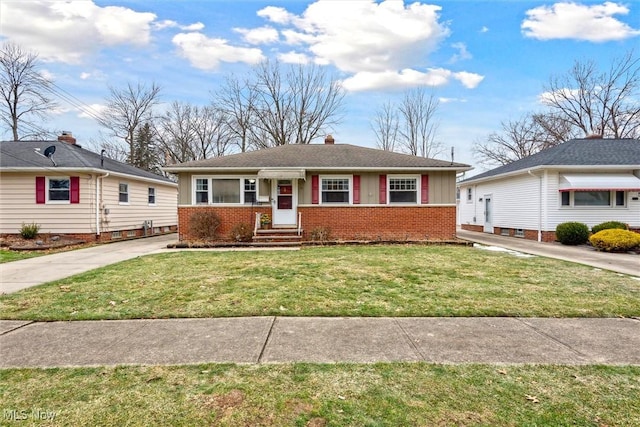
383, 189
424, 190
356, 189
314, 189
75, 189
41, 195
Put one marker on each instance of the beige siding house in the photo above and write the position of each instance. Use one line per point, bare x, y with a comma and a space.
76, 192
346, 191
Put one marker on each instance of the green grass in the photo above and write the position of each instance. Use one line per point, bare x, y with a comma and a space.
332, 281
404, 394
7, 255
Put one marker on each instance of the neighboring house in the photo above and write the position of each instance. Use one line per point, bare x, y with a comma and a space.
354, 193
585, 180
79, 193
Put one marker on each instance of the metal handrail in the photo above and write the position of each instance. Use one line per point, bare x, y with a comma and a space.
299, 223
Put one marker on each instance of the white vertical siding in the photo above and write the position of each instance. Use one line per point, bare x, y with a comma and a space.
590, 216
515, 202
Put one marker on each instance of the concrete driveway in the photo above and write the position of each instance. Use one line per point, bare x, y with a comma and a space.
23, 274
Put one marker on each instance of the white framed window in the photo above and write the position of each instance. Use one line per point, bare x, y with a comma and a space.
469, 195
336, 190
250, 195
58, 190
403, 189
593, 199
224, 190
152, 196
123, 193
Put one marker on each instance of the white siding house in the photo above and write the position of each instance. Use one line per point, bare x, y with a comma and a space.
80, 193
585, 180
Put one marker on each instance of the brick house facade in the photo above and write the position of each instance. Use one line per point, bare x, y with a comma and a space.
351, 192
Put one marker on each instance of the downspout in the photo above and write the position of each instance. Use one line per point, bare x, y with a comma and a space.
539, 205
99, 179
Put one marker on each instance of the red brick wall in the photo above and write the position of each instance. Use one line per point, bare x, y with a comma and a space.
346, 223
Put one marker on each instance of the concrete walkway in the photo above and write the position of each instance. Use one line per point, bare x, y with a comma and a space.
323, 340
621, 263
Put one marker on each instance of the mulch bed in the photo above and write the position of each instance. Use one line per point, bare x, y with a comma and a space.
40, 243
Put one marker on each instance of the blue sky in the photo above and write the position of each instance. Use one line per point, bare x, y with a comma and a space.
487, 61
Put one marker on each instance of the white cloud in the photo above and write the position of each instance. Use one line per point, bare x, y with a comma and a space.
84, 76
294, 58
468, 80
260, 35
444, 100
595, 23
167, 23
484, 29
92, 111
379, 44
69, 31
462, 54
207, 53
277, 15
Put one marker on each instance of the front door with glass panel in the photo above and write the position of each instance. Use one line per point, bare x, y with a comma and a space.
488, 214
285, 202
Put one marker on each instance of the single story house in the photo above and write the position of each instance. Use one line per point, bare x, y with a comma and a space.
589, 180
77, 193
354, 193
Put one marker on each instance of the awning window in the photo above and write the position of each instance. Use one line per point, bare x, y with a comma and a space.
281, 174
599, 182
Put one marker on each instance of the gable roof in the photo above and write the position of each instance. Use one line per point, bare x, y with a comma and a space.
23, 156
317, 157
576, 152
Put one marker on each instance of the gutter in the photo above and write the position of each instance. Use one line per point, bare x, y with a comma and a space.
539, 204
99, 179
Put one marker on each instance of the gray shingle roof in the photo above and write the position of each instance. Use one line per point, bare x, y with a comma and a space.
22, 155
320, 156
576, 152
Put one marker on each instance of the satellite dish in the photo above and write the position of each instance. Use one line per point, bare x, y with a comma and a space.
48, 152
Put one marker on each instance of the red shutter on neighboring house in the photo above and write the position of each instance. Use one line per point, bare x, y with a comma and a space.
424, 189
41, 195
383, 189
75, 189
356, 189
314, 189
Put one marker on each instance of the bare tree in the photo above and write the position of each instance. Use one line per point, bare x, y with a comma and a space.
603, 103
386, 127
522, 138
127, 109
295, 108
418, 124
237, 101
213, 136
24, 91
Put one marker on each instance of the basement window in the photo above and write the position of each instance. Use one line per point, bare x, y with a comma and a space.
519, 232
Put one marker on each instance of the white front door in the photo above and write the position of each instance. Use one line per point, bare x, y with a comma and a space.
488, 213
284, 202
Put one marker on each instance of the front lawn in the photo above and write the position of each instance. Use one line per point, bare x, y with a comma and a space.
399, 394
332, 281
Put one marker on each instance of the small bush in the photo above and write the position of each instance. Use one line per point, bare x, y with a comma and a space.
572, 233
615, 240
29, 231
609, 225
204, 225
241, 232
320, 234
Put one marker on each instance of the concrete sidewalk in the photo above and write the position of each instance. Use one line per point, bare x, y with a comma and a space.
621, 263
323, 340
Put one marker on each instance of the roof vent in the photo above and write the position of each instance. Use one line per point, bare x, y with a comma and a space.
329, 140
67, 137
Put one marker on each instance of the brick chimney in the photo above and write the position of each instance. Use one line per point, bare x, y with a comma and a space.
67, 137
329, 140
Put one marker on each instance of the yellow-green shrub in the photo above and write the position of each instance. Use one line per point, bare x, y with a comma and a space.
613, 240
